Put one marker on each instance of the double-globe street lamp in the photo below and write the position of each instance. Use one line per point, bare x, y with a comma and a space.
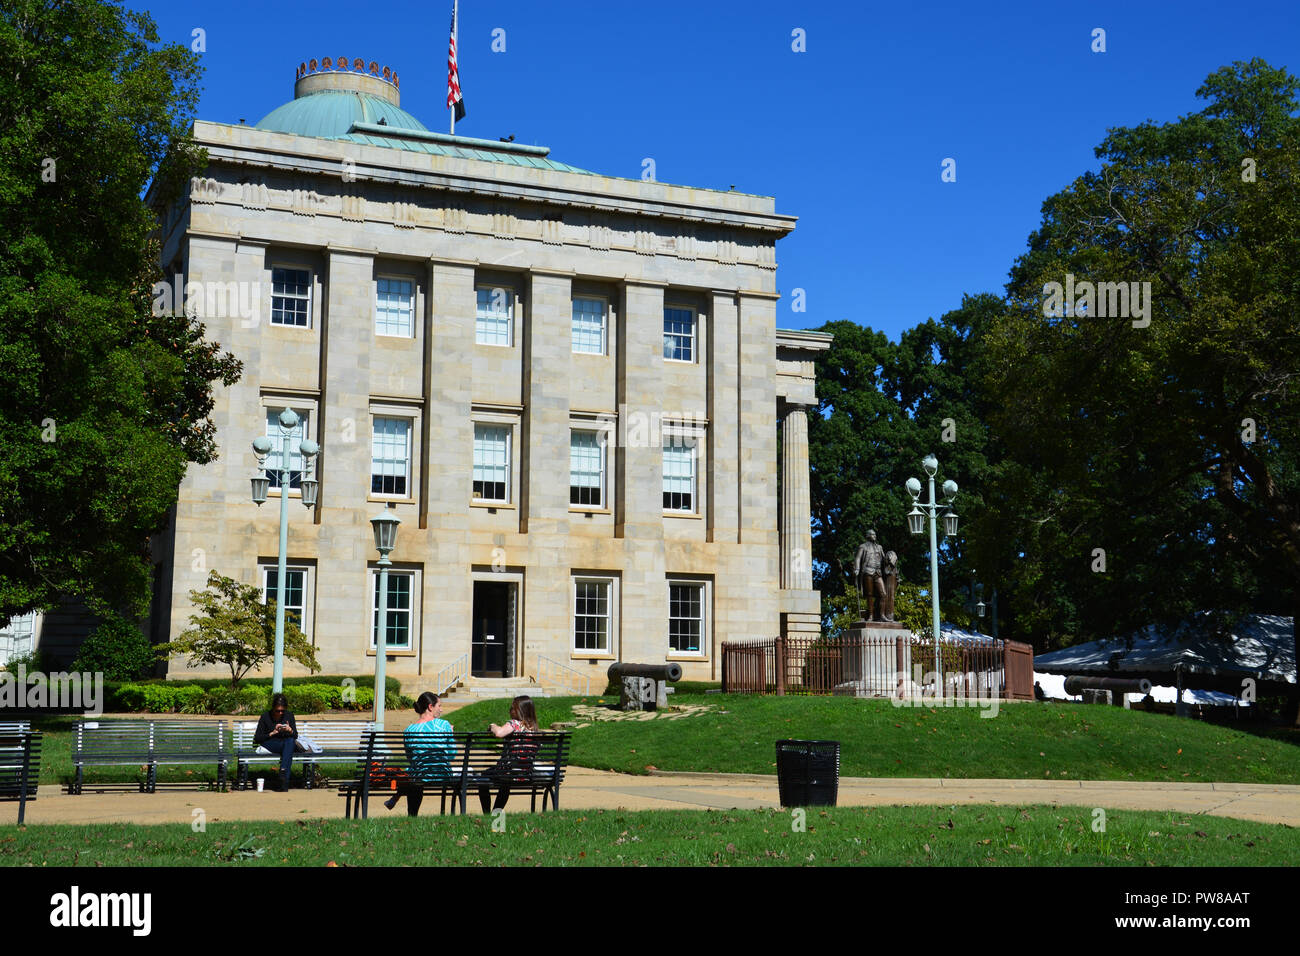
262, 447
916, 524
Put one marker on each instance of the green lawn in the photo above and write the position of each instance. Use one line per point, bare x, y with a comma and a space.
738, 734
1024, 740
886, 836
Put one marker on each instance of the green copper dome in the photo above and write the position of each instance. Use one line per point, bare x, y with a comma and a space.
349, 100
330, 114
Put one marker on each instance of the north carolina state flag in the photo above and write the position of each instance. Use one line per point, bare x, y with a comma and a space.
454, 98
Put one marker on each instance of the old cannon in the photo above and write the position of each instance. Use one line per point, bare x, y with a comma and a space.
1099, 690
644, 686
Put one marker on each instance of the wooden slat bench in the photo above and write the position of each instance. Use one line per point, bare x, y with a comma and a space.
149, 743
343, 742
470, 769
20, 767
384, 763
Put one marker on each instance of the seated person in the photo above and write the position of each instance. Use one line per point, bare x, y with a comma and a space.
277, 733
517, 761
429, 752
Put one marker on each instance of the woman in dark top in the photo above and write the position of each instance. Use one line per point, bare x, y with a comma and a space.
277, 731
521, 750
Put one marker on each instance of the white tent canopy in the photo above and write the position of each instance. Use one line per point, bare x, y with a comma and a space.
1260, 647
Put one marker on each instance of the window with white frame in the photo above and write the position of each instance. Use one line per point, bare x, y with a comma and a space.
296, 436
394, 307
681, 457
291, 297
390, 457
494, 315
295, 592
679, 334
589, 326
17, 638
586, 469
491, 462
593, 614
400, 623
687, 608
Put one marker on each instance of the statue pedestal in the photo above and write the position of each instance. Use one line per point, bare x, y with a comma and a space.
874, 656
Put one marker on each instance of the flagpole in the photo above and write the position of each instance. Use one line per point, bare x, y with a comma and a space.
455, 35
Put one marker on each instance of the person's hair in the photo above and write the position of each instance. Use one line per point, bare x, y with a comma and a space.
279, 699
522, 710
425, 702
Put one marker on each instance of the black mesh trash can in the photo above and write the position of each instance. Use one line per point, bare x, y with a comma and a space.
808, 772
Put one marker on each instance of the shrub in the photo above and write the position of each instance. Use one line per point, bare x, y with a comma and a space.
37, 661
117, 649
246, 700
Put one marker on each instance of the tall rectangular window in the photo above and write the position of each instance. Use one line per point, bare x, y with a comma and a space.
390, 457
291, 297
397, 633
394, 308
586, 469
492, 462
295, 591
679, 334
296, 437
592, 614
686, 617
589, 326
494, 316
17, 638
679, 473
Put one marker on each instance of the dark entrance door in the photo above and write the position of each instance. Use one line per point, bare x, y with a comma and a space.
492, 630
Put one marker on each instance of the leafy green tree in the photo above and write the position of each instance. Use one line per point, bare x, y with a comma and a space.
883, 407
237, 630
1167, 450
103, 402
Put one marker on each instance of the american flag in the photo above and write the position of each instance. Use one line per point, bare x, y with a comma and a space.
453, 74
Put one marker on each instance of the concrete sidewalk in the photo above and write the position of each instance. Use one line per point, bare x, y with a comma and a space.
596, 789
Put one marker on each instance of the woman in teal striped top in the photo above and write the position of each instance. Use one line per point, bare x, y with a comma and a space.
429, 752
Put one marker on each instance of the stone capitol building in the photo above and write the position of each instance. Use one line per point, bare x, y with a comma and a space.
567, 386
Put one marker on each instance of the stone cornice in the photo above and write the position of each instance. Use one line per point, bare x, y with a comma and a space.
242, 145
803, 339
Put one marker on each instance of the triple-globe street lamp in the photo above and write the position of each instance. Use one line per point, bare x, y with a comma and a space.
916, 524
262, 447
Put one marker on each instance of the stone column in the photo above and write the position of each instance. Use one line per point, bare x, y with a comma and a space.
796, 506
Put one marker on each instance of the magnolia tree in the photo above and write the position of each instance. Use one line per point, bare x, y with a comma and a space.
237, 630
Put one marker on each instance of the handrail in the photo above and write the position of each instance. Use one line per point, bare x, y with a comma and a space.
450, 675
566, 677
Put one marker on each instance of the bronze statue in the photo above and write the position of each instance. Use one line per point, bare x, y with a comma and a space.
890, 574
867, 566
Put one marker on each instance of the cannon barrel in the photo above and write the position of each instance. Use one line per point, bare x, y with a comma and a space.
1077, 685
668, 672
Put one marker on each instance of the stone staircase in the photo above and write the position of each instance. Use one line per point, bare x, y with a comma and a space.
471, 689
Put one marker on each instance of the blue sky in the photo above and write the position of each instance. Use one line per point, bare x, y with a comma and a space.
849, 136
